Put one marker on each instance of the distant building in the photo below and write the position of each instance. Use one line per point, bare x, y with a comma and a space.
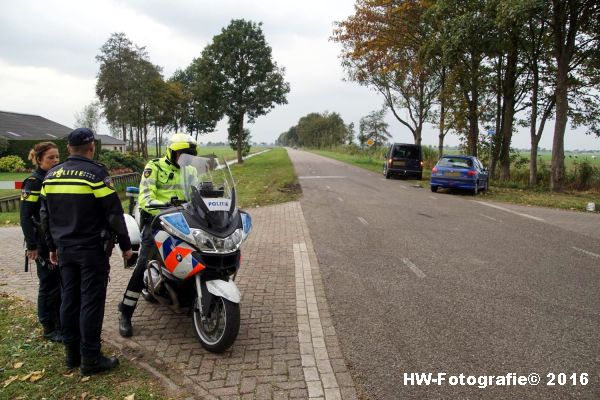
15, 126
19, 127
111, 143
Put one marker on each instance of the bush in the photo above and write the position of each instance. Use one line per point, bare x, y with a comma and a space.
123, 162
11, 164
583, 176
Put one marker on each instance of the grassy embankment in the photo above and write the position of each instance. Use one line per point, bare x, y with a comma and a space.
33, 368
511, 192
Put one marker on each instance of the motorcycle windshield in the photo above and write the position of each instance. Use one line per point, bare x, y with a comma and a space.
207, 182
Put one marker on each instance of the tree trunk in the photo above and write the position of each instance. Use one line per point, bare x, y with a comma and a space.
473, 135
533, 124
557, 173
533, 162
510, 79
131, 139
442, 125
156, 141
240, 140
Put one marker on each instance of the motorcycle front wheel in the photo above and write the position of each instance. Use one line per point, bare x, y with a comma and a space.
218, 328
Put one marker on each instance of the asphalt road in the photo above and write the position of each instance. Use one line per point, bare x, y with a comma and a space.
419, 282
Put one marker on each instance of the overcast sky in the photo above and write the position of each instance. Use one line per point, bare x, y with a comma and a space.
48, 49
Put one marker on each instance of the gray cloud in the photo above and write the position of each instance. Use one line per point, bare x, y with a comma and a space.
205, 19
29, 36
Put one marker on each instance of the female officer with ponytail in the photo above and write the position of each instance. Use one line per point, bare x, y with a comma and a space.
44, 156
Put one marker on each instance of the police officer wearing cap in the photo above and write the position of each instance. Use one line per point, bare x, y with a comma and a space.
160, 182
80, 213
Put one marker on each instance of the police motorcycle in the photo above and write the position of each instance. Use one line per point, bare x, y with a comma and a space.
197, 253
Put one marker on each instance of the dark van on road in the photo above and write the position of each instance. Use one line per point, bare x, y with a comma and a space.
404, 159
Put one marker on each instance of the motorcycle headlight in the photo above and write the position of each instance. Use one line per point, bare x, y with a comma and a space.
211, 244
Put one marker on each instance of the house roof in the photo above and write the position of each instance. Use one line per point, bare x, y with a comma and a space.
110, 140
16, 126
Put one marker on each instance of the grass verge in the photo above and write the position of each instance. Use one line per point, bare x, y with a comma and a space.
266, 179
33, 368
543, 198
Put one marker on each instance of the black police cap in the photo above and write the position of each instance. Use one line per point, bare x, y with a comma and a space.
80, 136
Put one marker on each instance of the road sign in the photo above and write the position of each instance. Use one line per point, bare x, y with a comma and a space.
370, 142
491, 132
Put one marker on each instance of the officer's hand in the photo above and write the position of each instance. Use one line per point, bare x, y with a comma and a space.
54, 258
127, 254
32, 254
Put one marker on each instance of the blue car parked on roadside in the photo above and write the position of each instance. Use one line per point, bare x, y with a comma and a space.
459, 172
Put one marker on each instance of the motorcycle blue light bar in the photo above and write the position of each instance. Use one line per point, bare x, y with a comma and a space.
178, 221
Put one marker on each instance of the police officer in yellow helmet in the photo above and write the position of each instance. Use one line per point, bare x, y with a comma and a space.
160, 182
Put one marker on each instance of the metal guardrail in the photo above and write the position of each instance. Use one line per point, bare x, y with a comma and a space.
123, 179
11, 203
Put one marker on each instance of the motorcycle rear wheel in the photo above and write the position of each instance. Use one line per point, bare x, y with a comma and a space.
219, 328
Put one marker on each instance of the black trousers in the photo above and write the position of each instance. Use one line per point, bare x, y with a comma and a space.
48, 305
84, 276
136, 282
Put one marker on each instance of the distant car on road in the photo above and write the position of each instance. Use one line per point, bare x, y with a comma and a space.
459, 172
404, 159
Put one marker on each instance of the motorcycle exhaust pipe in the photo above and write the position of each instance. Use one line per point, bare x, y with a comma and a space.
174, 302
153, 288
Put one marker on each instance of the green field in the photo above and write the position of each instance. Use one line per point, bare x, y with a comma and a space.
570, 157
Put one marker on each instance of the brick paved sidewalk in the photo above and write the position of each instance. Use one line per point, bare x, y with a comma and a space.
287, 346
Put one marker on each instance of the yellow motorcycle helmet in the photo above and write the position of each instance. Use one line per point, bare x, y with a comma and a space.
181, 143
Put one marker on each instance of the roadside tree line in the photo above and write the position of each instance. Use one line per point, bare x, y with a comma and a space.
467, 64
328, 129
234, 77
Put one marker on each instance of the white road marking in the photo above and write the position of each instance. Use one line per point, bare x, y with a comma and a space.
510, 211
589, 253
313, 348
433, 197
413, 268
364, 221
340, 199
488, 217
403, 187
321, 177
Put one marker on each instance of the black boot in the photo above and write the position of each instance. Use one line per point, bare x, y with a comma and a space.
94, 365
125, 328
52, 334
73, 357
